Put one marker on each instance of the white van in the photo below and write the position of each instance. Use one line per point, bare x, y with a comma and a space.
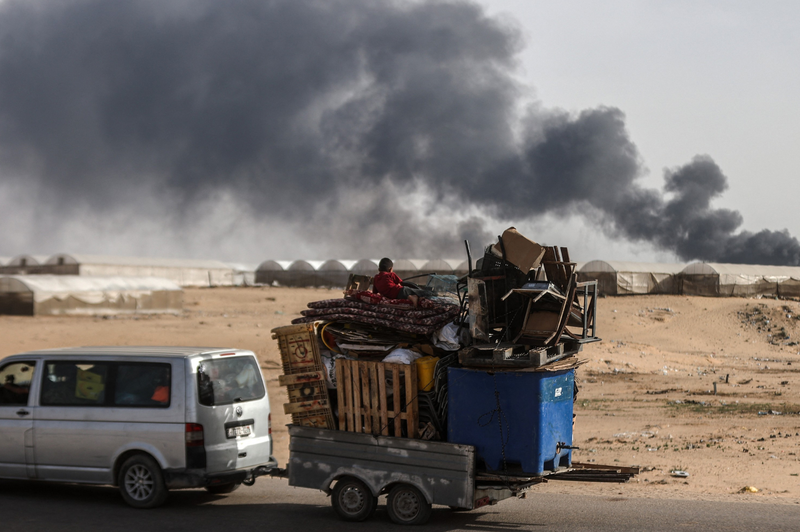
146, 419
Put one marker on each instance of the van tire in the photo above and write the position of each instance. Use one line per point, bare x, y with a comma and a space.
141, 482
222, 489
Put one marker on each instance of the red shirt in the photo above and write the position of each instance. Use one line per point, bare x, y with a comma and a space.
387, 284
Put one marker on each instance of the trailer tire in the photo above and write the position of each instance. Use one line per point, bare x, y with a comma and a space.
407, 505
353, 500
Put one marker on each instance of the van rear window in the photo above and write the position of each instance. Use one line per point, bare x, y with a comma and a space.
143, 385
223, 381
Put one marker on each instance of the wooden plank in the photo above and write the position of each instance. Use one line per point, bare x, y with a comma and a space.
345, 390
298, 408
300, 378
306, 392
411, 400
396, 400
357, 424
374, 403
340, 393
364, 372
383, 399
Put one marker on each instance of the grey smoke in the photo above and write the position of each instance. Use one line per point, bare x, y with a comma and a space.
330, 115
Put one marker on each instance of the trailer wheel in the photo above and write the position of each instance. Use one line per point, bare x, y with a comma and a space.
353, 500
407, 505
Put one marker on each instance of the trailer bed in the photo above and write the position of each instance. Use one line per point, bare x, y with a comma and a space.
443, 472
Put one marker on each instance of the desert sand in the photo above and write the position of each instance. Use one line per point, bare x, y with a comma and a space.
647, 393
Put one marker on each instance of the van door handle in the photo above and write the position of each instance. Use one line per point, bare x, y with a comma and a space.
22, 412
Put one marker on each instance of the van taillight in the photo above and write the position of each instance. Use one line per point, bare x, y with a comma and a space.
269, 424
194, 435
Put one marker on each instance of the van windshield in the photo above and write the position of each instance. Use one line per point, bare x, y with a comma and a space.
223, 381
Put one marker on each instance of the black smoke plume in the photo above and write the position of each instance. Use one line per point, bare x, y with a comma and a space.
328, 115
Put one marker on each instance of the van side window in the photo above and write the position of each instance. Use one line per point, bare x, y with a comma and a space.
74, 383
142, 384
222, 381
15, 383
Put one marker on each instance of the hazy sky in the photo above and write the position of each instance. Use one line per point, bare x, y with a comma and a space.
346, 129
693, 77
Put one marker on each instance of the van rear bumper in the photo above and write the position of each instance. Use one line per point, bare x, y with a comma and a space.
199, 478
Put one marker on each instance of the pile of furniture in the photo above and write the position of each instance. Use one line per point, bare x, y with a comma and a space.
496, 354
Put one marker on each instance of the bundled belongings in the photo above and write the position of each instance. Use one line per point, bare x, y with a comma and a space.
499, 351
373, 309
490, 370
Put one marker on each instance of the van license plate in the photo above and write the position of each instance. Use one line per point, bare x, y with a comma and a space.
235, 432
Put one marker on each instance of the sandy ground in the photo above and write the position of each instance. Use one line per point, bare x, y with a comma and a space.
646, 397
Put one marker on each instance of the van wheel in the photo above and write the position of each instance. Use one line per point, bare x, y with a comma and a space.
353, 500
141, 482
407, 505
221, 489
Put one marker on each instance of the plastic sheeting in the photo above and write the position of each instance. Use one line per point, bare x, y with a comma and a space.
626, 278
67, 294
742, 280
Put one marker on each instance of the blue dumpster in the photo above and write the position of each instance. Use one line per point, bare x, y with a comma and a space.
514, 419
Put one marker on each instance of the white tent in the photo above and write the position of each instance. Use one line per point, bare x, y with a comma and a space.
623, 278
243, 274
365, 267
24, 264
269, 271
717, 279
184, 272
73, 294
441, 266
301, 273
334, 272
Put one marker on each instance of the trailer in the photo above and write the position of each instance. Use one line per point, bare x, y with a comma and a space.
355, 469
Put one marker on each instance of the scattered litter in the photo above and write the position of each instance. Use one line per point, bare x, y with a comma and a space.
679, 474
749, 489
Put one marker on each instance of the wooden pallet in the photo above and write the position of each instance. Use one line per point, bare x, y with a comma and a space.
303, 376
364, 402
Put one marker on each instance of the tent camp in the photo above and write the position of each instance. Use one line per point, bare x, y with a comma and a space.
334, 273
301, 273
242, 274
441, 266
30, 295
24, 264
407, 269
365, 267
715, 279
184, 272
623, 278
269, 271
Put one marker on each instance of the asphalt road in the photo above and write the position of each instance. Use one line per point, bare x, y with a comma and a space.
272, 505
